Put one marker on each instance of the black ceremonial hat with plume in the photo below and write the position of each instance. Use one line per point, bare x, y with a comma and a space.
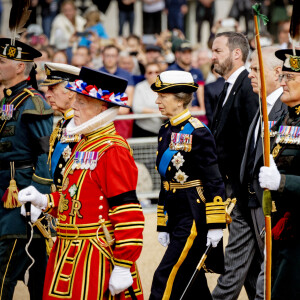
12, 48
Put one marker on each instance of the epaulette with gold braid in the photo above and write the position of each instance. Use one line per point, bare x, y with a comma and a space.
196, 123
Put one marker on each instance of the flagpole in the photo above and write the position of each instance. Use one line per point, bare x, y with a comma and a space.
267, 202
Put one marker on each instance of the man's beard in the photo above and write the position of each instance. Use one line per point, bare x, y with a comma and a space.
225, 67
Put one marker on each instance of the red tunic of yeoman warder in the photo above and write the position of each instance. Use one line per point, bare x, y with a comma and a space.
79, 266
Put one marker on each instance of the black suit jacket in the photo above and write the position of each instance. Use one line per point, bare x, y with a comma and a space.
279, 109
231, 131
211, 93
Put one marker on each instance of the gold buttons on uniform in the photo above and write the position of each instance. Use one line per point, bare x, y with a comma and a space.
155, 167
156, 152
100, 217
8, 92
169, 168
160, 138
60, 166
53, 188
58, 180
101, 206
166, 125
182, 127
198, 201
101, 197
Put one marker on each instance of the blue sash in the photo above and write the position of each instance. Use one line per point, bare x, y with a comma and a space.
56, 155
168, 154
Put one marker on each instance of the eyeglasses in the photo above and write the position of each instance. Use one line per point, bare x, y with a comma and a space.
287, 77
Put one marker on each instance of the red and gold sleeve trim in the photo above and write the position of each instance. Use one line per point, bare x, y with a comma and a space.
123, 263
129, 225
128, 222
129, 242
125, 208
215, 211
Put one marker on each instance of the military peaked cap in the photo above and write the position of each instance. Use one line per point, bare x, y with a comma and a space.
57, 73
174, 82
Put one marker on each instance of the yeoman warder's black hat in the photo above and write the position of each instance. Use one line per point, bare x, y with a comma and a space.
101, 86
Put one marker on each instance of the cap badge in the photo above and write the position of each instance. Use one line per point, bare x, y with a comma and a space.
158, 82
295, 62
48, 72
12, 51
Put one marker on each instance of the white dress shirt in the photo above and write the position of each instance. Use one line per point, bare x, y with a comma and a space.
271, 99
231, 80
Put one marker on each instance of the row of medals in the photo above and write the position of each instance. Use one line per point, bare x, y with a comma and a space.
65, 138
85, 160
7, 111
287, 135
82, 160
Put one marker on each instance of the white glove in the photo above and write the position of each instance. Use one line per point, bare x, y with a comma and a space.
214, 236
164, 238
31, 194
120, 280
34, 213
269, 177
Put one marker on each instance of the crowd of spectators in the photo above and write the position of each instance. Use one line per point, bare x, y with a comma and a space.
75, 35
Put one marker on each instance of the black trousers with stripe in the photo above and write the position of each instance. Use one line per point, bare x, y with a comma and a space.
180, 261
13, 263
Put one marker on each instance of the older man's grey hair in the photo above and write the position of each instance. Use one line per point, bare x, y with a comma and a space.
269, 59
28, 67
64, 84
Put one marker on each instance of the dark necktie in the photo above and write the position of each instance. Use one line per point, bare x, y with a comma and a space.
217, 113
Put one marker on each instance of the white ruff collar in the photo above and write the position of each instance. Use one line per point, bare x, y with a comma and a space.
93, 124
